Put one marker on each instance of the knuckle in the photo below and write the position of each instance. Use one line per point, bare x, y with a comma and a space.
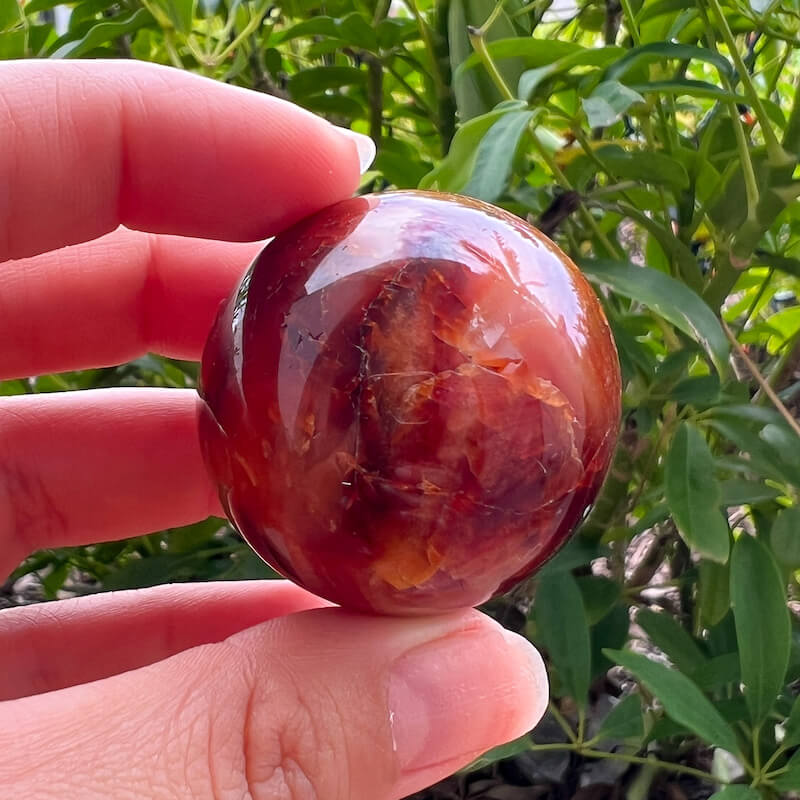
291, 742
266, 736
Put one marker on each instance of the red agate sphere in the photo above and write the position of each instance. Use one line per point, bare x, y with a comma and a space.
410, 402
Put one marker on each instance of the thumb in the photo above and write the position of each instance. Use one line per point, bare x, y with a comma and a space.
321, 705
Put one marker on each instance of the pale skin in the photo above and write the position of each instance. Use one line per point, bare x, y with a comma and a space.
109, 174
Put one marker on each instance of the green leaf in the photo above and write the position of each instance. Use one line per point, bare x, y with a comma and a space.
763, 456
672, 639
453, 172
763, 627
699, 390
54, 580
736, 792
474, 90
189, 538
718, 672
790, 781
495, 157
521, 745
534, 52
10, 14
335, 103
608, 102
785, 537
599, 596
694, 495
661, 51
660, 8
738, 492
355, 29
12, 45
610, 633
642, 165
713, 592
394, 31
35, 6
791, 730
316, 26
102, 33
564, 630
667, 297
180, 13
689, 87
681, 698
791, 266
400, 163
8, 388
624, 721
577, 552
317, 79
532, 79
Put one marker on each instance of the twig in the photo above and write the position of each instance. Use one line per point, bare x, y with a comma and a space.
560, 719
478, 42
761, 380
667, 766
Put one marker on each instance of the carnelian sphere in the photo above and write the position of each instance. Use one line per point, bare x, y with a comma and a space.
410, 402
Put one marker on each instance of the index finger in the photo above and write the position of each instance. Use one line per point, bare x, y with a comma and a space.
88, 146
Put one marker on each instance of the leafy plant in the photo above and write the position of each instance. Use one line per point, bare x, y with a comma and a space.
658, 143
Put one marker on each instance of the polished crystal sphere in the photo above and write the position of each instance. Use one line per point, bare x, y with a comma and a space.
410, 402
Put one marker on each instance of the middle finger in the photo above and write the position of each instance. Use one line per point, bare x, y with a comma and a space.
113, 299
56, 645
90, 466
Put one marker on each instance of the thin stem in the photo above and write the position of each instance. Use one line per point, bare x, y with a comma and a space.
671, 339
381, 11
777, 773
762, 382
647, 130
750, 183
479, 45
783, 58
787, 355
701, 212
417, 97
251, 27
652, 461
172, 51
614, 188
669, 132
742, 148
26, 27
561, 720
630, 21
757, 750
584, 142
650, 762
757, 299
492, 18
774, 149
427, 39
772, 759
563, 181
581, 725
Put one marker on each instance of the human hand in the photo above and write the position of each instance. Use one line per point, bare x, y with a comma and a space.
186, 691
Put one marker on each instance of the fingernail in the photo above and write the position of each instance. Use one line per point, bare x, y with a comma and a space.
364, 145
458, 696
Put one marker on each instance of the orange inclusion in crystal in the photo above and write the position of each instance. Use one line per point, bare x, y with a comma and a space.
410, 402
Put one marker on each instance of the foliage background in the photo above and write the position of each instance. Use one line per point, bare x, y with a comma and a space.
658, 143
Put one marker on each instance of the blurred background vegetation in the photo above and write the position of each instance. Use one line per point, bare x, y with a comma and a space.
658, 143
